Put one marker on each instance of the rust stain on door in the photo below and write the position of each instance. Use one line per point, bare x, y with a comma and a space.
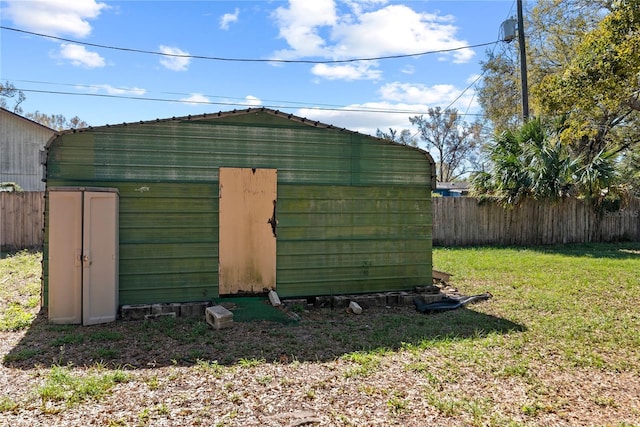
247, 220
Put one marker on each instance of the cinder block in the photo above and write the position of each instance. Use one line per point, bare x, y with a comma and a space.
174, 307
428, 298
407, 299
323, 301
218, 317
393, 298
340, 301
159, 315
193, 309
135, 311
301, 302
371, 300
164, 309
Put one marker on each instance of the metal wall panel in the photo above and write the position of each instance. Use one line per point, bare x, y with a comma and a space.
335, 240
359, 206
21, 141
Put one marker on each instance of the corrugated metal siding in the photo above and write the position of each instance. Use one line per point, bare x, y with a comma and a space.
354, 212
339, 239
20, 143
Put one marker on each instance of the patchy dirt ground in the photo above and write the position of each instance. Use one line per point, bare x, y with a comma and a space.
388, 366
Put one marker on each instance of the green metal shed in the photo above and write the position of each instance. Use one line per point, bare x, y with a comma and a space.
246, 201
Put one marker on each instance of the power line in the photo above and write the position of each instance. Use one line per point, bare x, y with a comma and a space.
245, 104
216, 58
99, 87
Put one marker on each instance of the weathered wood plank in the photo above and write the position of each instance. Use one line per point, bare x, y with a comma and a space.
462, 221
458, 221
21, 219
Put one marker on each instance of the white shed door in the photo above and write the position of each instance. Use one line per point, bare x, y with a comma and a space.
100, 258
247, 224
65, 250
83, 256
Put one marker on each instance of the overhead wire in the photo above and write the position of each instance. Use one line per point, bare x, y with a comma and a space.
475, 81
217, 58
242, 104
282, 104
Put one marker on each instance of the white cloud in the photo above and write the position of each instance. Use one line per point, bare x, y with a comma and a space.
54, 17
358, 6
196, 99
80, 56
111, 90
433, 96
355, 117
318, 28
252, 101
408, 69
349, 72
474, 78
174, 63
300, 25
399, 102
229, 18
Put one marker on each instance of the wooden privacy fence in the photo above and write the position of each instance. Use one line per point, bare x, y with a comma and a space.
457, 221
462, 221
21, 220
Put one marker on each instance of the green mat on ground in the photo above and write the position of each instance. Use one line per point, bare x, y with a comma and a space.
249, 309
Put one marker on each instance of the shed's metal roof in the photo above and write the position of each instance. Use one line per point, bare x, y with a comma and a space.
223, 114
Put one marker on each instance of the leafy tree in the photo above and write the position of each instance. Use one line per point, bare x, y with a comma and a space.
8, 90
630, 171
599, 90
454, 141
553, 28
56, 121
584, 71
53, 121
499, 91
405, 137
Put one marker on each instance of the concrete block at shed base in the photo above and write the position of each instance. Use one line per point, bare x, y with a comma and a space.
340, 301
193, 309
371, 300
218, 317
135, 312
159, 309
160, 315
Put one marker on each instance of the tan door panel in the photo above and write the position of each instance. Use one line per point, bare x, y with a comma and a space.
65, 251
83, 255
100, 258
248, 224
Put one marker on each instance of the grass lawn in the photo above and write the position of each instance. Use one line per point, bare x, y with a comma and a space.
558, 344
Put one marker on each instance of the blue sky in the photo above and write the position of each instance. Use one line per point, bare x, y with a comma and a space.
74, 77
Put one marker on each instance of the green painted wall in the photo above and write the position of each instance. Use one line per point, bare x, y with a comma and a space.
354, 212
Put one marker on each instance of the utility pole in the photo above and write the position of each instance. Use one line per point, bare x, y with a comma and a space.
523, 64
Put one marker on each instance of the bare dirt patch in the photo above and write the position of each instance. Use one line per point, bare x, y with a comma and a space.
388, 366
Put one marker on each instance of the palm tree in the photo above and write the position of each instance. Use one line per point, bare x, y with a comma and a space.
528, 162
